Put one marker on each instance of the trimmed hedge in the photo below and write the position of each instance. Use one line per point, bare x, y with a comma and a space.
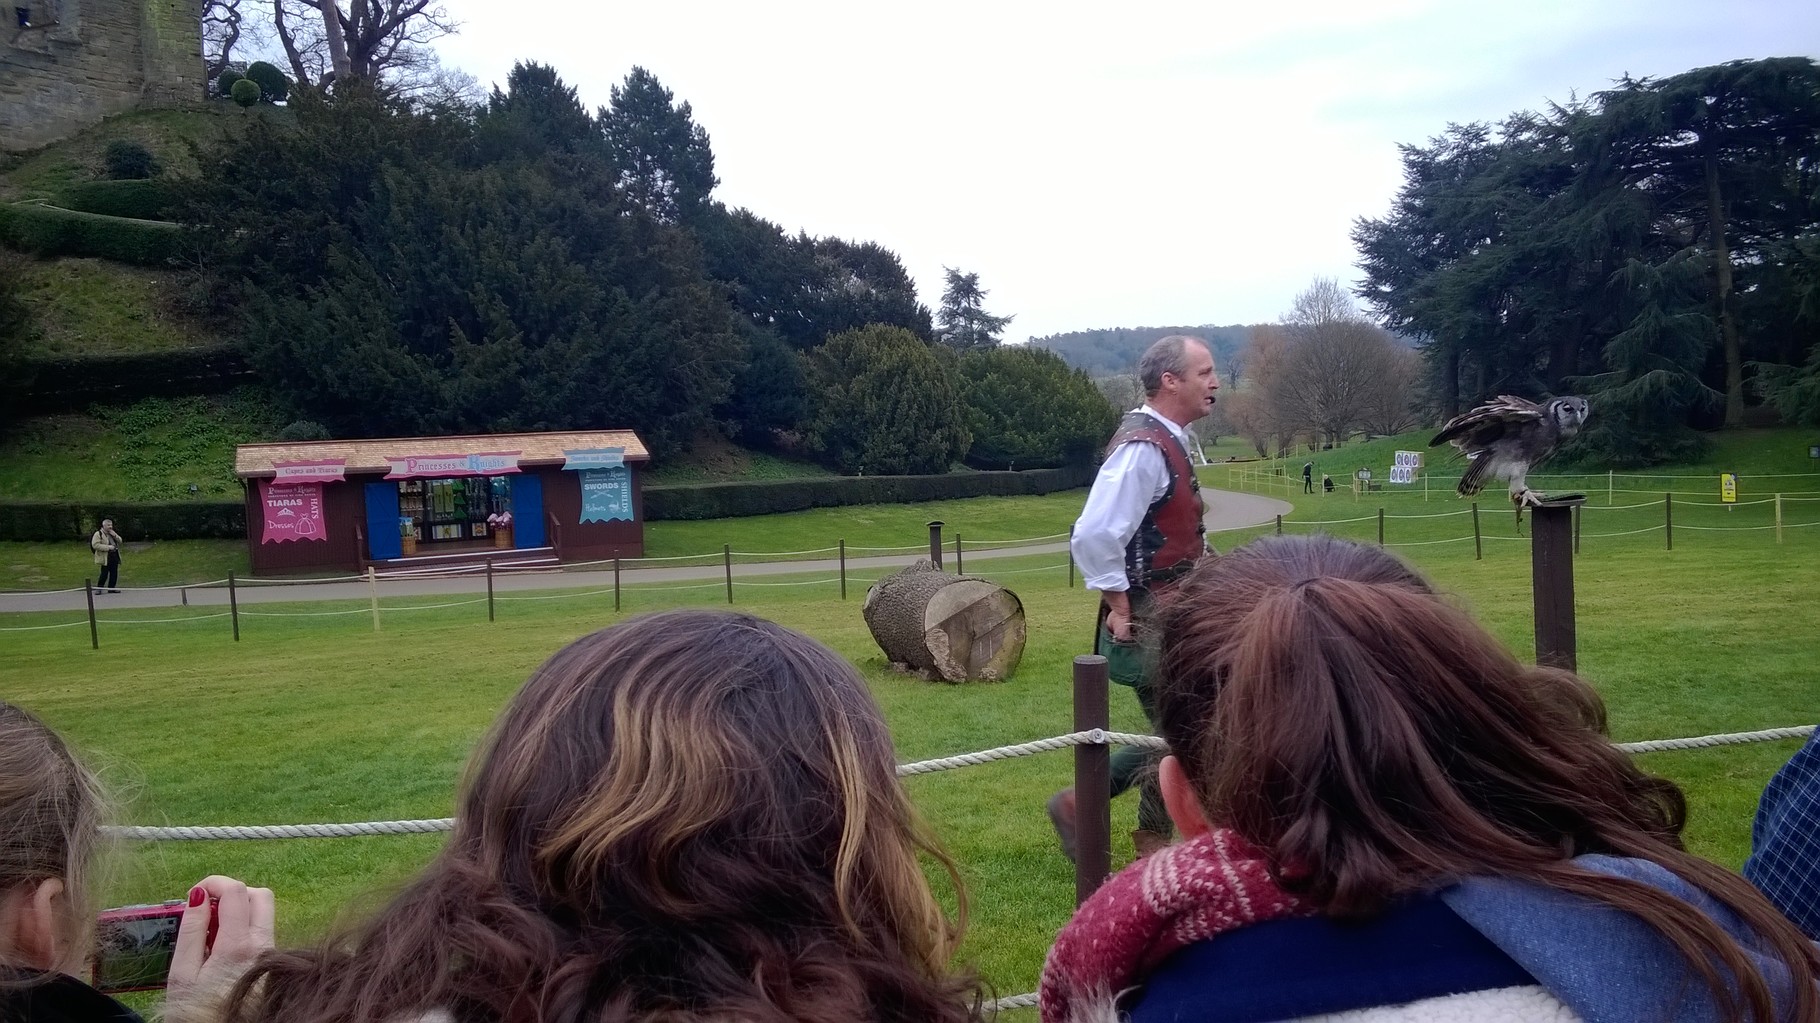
52, 231
146, 199
226, 520
136, 520
734, 500
70, 383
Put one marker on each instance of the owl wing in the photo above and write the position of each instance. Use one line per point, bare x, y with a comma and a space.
1478, 429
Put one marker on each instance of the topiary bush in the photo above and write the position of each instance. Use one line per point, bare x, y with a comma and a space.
245, 92
273, 85
224, 82
126, 160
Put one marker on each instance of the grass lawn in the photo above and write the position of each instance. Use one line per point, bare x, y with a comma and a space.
167, 133
322, 719
94, 307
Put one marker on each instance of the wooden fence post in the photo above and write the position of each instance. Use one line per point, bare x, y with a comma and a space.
726, 552
957, 555
1092, 779
490, 589
373, 594
1380, 527
1778, 518
1279, 525
1071, 557
94, 636
1478, 543
843, 567
615, 584
233, 607
1552, 575
1668, 520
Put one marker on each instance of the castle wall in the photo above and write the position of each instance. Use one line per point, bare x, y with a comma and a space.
84, 60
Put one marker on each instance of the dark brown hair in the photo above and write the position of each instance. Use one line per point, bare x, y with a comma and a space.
1332, 708
692, 815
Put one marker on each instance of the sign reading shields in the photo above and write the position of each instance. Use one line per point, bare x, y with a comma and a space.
606, 483
319, 470
293, 511
484, 463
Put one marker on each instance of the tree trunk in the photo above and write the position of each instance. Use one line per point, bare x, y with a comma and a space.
1728, 322
956, 628
337, 40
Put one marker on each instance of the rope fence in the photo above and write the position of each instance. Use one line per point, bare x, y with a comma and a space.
1088, 737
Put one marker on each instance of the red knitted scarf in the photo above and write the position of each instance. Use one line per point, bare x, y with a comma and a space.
1186, 893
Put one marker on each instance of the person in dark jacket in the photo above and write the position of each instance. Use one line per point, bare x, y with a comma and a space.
1387, 815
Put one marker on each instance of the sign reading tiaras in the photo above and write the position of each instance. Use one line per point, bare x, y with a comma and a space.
293, 511
481, 463
319, 470
593, 458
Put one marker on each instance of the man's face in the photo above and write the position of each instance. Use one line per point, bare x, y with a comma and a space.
107, 523
1190, 396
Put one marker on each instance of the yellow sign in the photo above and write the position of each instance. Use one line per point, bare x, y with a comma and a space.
1728, 487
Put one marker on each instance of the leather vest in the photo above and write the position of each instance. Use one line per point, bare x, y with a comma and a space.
1172, 536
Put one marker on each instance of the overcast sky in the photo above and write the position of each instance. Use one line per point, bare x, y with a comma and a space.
1112, 164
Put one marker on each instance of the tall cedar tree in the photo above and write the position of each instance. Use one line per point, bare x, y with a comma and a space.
963, 322
884, 402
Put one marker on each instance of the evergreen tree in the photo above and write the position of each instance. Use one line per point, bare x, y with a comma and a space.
1027, 410
664, 162
963, 322
884, 402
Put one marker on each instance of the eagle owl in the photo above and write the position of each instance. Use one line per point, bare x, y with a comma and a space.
1508, 438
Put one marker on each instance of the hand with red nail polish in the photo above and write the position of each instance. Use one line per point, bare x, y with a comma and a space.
224, 928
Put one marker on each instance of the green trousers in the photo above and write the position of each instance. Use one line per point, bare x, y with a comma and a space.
1129, 664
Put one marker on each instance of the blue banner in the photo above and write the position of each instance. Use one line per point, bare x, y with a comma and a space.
606, 494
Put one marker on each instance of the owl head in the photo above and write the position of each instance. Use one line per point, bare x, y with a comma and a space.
1568, 414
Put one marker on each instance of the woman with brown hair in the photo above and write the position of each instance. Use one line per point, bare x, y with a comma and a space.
692, 815
1383, 808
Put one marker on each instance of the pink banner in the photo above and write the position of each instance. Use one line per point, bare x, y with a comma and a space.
321, 470
484, 463
293, 511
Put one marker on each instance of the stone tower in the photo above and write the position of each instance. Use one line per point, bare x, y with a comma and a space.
66, 64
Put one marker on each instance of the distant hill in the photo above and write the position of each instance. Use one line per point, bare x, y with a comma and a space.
1115, 350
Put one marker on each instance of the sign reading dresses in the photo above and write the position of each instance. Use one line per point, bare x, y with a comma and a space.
484, 463
606, 483
319, 470
293, 511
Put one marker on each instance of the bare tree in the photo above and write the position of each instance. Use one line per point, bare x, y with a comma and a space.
1122, 391
221, 26
1338, 372
370, 39
1392, 407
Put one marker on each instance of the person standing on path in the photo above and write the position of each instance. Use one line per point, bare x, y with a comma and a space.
1140, 531
106, 545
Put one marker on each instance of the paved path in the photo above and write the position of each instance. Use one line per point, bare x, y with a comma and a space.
1228, 510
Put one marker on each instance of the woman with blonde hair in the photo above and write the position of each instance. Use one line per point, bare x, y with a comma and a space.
692, 815
51, 811
1390, 817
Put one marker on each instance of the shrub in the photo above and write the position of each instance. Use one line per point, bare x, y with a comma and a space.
767, 497
146, 199
49, 231
883, 401
1025, 407
126, 160
273, 85
224, 82
304, 429
245, 92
